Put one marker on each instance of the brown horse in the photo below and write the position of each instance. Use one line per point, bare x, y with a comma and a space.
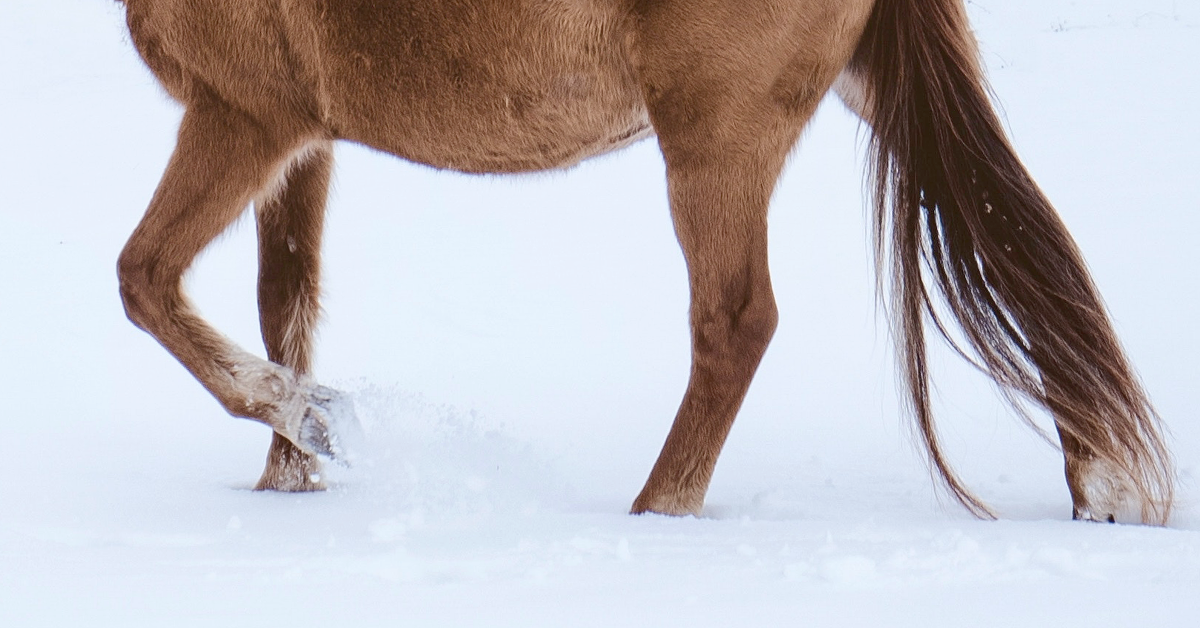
726, 86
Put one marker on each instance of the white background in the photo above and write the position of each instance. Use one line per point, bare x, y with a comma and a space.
517, 348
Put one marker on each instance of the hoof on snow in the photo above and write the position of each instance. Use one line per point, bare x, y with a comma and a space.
666, 505
289, 482
1086, 514
1103, 493
289, 469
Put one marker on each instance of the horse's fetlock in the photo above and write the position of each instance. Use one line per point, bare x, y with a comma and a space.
264, 391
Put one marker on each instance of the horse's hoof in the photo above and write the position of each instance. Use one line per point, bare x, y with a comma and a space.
329, 426
660, 505
1086, 514
1103, 493
293, 480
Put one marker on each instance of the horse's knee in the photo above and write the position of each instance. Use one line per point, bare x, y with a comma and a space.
132, 281
138, 283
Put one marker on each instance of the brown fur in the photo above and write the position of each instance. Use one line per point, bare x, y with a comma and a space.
960, 209
522, 85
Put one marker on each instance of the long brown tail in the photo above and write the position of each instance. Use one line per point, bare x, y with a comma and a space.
962, 215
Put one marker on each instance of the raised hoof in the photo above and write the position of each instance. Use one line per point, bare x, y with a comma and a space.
329, 426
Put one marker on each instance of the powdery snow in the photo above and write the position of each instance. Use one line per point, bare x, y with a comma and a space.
516, 349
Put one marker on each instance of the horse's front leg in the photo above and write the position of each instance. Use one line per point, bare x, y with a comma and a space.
290, 223
222, 160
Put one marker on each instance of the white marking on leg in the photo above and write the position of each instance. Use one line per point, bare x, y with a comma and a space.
317, 419
261, 382
1107, 492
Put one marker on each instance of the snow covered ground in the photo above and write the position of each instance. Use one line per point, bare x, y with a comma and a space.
517, 347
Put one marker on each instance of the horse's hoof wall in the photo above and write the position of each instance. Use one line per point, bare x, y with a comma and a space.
330, 426
1086, 514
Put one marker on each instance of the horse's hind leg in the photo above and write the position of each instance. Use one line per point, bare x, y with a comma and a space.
222, 160
1100, 491
719, 210
289, 243
728, 95
1097, 493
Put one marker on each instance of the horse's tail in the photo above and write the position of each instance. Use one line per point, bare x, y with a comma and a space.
956, 213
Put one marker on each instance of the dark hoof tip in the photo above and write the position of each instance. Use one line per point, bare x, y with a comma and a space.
330, 426
1086, 515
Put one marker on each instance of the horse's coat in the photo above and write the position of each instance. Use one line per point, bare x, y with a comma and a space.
727, 86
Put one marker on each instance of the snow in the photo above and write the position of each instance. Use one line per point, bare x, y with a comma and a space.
516, 348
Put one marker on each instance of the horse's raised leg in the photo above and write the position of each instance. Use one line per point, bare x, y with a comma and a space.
222, 160
726, 115
289, 249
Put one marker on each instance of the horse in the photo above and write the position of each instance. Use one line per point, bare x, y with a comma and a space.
962, 234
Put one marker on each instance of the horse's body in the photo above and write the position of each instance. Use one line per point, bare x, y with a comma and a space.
726, 86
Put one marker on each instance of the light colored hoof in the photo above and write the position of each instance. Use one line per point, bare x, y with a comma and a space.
329, 426
319, 420
1104, 494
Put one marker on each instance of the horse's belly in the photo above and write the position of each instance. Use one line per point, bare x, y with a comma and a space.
517, 152
492, 87
512, 133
